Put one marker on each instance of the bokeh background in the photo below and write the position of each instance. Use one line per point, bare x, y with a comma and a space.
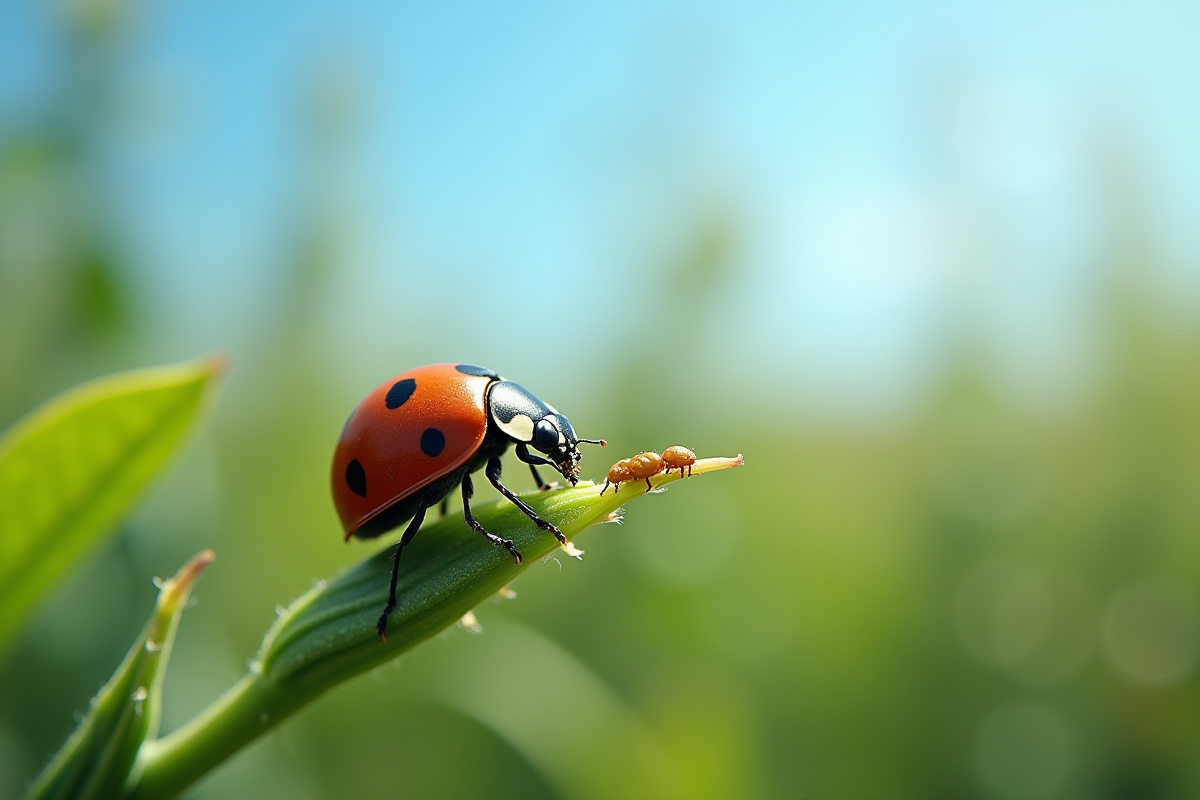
934, 268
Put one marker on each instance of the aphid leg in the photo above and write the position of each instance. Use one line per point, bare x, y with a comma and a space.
409, 533
648, 486
493, 474
468, 491
607, 484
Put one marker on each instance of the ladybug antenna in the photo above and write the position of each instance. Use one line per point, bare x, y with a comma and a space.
600, 442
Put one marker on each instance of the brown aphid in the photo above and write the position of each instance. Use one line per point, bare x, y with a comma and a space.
639, 467
678, 457
643, 465
616, 473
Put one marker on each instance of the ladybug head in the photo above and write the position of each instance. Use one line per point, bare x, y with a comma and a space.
526, 419
554, 436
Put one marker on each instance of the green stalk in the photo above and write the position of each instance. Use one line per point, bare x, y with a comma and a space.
328, 635
96, 761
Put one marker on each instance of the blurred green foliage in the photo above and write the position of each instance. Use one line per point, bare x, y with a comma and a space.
76, 465
985, 597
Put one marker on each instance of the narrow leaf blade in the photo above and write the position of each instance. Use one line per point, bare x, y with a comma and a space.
96, 761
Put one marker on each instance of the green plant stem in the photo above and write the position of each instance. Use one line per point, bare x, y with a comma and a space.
249, 708
328, 636
96, 761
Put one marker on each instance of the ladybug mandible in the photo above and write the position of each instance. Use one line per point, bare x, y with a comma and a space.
422, 433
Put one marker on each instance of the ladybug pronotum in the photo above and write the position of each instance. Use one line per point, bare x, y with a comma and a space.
416, 437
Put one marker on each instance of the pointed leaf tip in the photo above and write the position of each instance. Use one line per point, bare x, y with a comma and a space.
74, 466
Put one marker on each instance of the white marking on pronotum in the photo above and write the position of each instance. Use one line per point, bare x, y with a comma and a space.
519, 428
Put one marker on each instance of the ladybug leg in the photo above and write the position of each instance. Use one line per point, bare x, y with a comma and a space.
468, 491
445, 508
493, 474
541, 484
409, 533
530, 459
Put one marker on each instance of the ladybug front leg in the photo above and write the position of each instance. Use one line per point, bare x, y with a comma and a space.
409, 533
530, 459
493, 474
468, 491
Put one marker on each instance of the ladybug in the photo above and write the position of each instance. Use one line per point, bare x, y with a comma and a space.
416, 437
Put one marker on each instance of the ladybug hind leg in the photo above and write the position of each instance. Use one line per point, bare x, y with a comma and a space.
468, 491
413, 526
493, 474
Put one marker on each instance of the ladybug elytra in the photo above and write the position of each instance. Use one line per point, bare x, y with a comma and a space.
416, 437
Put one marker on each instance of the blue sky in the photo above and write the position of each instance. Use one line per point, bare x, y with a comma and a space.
886, 163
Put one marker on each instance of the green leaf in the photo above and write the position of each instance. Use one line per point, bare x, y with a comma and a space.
97, 758
74, 466
328, 636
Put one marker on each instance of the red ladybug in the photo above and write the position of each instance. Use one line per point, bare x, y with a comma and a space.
422, 433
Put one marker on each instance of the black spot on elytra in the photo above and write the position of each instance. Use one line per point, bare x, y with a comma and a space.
356, 478
433, 442
474, 369
400, 392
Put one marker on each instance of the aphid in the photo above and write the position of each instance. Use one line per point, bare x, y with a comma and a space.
639, 467
678, 457
618, 472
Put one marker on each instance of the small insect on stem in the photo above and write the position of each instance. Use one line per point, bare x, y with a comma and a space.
639, 467
678, 457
